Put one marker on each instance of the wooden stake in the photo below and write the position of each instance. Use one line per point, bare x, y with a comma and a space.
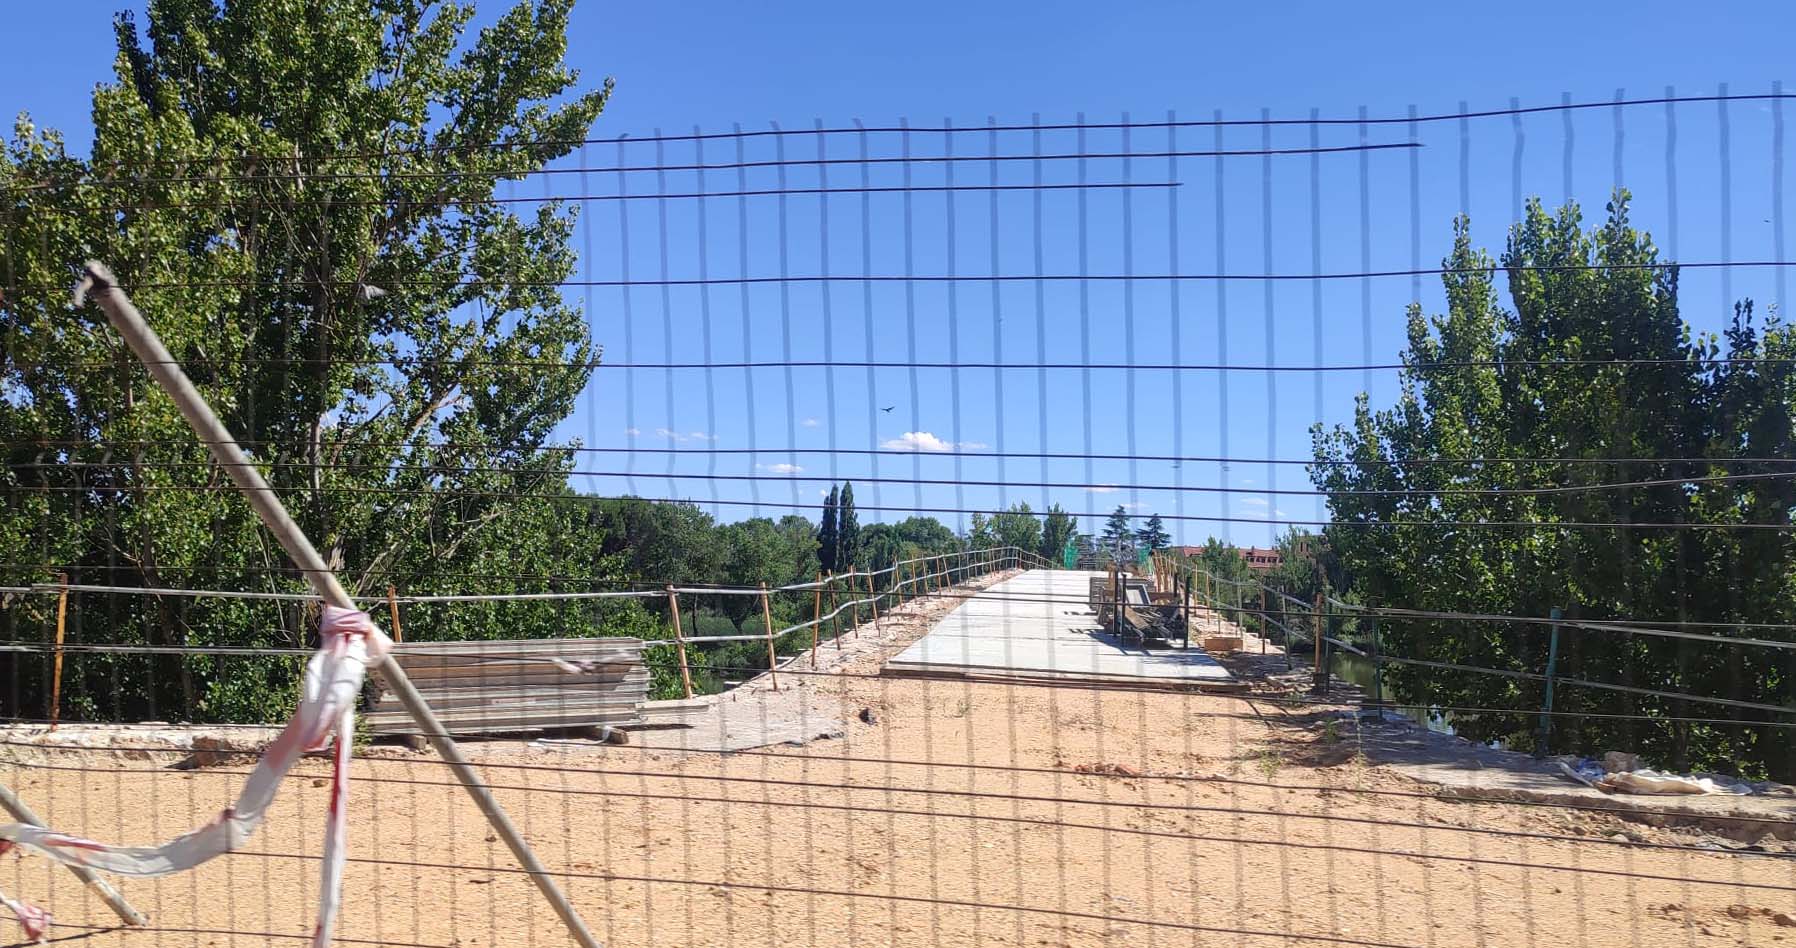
393, 613
835, 618
816, 618
874, 598
62, 616
854, 624
767, 620
673, 605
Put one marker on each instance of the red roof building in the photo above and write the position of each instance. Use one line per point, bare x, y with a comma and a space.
1262, 558
1258, 558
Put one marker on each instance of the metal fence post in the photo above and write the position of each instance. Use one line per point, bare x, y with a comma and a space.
1284, 622
1318, 673
1546, 707
1377, 671
1265, 620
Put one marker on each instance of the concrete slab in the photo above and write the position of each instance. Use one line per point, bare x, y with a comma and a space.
1040, 625
1462, 769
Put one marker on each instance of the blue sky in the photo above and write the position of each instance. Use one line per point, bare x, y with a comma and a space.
711, 65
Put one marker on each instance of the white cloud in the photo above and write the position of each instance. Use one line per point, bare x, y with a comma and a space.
632, 432
781, 468
973, 446
1139, 506
678, 438
809, 422
1102, 489
917, 441
1255, 502
822, 493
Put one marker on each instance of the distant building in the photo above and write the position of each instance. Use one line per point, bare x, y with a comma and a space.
1263, 559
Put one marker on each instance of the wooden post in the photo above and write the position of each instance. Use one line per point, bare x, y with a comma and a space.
874, 598
1319, 673
62, 617
673, 605
393, 613
816, 617
835, 617
854, 623
767, 620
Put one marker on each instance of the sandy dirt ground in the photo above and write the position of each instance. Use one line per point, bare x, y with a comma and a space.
946, 814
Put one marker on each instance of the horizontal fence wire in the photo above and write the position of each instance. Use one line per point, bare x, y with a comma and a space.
1201, 583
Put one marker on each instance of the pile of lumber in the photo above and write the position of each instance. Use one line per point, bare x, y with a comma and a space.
511, 686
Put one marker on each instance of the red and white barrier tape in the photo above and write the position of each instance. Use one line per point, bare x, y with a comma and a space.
350, 644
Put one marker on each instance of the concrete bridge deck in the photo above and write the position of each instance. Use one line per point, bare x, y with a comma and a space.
1040, 625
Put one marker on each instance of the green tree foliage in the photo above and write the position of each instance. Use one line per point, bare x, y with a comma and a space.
1228, 569
828, 537
929, 535
881, 546
662, 542
801, 545
979, 533
848, 530
755, 551
1308, 566
302, 204
1017, 527
1118, 538
1153, 536
1493, 382
1056, 529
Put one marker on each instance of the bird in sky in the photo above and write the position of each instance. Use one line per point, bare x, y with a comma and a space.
888, 408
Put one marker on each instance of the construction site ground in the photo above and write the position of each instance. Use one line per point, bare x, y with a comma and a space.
925, 812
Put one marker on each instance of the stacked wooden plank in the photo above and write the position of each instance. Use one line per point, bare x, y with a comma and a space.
494, 687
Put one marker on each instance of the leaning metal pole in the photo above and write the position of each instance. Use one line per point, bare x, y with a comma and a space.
103, 287
130, 916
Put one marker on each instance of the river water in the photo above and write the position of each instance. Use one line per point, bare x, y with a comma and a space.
1359, 670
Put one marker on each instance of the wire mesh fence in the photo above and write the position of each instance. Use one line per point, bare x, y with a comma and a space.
595, 480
